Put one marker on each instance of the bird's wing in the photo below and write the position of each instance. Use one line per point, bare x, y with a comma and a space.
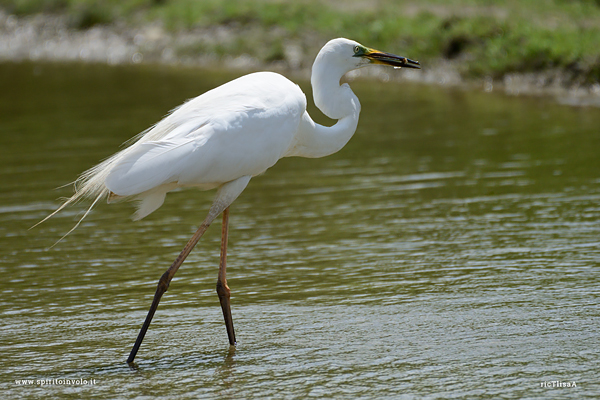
239, 129
147, 166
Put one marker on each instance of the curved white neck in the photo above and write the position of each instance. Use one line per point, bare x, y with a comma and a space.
335, 101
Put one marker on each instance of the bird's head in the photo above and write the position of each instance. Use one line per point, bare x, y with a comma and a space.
352, 55
335, 59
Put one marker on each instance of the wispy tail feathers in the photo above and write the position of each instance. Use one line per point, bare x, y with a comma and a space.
90, 185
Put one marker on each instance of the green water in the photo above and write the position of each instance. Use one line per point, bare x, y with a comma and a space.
450, 250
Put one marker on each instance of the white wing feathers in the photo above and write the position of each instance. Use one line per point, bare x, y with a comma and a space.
238, 129
147, 166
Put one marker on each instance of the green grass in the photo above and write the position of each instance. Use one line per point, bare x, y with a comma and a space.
485, 38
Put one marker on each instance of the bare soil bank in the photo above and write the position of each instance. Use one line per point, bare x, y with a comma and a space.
50, 38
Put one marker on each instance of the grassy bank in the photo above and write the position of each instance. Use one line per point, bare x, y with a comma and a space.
481, 38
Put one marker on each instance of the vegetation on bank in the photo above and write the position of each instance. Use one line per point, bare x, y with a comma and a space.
481, 37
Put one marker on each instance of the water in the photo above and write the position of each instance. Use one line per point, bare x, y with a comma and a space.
450, 250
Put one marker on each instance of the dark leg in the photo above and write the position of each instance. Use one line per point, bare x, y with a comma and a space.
163, 285
226, 194
222, 288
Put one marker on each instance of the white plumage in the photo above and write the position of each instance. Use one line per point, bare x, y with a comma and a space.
239, 129
254, 117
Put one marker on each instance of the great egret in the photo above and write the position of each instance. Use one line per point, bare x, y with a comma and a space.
226, 136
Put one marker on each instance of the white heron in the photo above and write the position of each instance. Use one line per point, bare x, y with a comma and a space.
224, 137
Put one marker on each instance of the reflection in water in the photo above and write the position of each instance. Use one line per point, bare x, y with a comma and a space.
226, 373
449, 250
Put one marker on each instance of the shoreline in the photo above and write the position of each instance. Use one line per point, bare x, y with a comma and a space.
49, 38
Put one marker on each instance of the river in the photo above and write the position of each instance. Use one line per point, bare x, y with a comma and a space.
450, 250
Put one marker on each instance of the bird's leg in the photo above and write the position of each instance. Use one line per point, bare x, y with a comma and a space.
163, 284
225, 196
222, 288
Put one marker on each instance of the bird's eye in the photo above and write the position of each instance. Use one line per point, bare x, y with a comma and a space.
356, 49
